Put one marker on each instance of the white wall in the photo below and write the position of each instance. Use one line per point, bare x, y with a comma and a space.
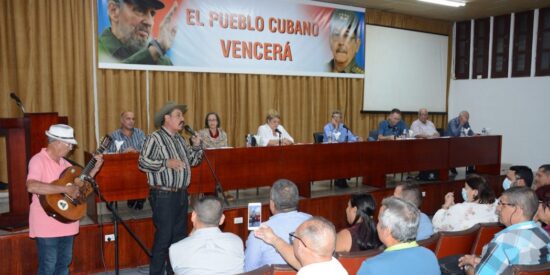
516, 108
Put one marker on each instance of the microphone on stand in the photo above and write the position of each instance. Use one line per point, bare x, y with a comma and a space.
18, 102
348, 131
280, 136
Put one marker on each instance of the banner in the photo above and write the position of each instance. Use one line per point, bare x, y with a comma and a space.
239, 36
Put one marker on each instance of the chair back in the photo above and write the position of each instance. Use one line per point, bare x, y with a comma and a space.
430, 243
458, 242
352, 260
282, 269
318, 137
539, 269
264, 270
485, 234
373, 135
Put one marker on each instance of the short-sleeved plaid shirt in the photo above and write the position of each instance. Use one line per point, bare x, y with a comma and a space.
525, 243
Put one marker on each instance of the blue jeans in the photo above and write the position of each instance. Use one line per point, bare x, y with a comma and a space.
170, 220
54, 255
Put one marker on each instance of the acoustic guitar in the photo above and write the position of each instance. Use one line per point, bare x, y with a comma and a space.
61, 206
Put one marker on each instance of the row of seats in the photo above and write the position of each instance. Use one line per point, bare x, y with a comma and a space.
443, 244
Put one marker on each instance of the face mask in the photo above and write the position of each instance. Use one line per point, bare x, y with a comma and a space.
464, 195
506, 184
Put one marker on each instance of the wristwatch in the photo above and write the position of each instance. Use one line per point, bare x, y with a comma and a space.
156, 44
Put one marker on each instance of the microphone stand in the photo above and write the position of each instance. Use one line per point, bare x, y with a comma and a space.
219, 188
117, 219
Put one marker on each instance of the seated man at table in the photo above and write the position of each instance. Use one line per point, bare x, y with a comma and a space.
397, 226
337, 131
422, 127
522, 242
393, 127
128, 139
518, 175
460, 126
207, 250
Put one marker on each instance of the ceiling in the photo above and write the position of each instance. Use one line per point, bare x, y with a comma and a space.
473, 8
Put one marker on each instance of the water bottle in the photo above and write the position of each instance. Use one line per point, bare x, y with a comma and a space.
405, 132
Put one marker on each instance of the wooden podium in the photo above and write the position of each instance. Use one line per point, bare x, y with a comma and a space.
24, 138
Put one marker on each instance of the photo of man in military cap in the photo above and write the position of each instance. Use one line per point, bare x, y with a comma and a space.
344, 42
129, 39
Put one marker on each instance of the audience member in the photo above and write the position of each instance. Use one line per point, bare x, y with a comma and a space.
212, 135
422, 127
460, 125
411, 193
207, 250
362, 233
518, 175
397, 225
272, 133
313, 244
543, 213
393, 127
543, 176
522, 242
283, 204
478, 207
127, 139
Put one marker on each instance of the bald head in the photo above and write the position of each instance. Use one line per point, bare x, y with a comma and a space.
319, 235
127, 120
423, 115
464, 117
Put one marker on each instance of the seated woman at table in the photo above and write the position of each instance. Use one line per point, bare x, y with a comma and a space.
478, 207
272, 133
212, 135
362, 234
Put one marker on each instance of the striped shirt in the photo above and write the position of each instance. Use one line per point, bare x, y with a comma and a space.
157, 149
135, 140
524, 243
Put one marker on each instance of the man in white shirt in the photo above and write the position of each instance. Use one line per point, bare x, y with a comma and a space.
422, 127
208, 250
314, 243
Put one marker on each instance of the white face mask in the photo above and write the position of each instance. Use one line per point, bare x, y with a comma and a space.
464, 195
506, 184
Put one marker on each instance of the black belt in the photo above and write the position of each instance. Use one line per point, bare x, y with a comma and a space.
166, 188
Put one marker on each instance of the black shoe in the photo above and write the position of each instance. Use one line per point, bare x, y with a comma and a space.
139, 205
131, 203
341, 183
453, 171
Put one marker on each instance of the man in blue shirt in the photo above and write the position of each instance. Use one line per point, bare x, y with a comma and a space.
393, 127
283, 204
522, 242
412, 194
459, 125
397, 225
337, 131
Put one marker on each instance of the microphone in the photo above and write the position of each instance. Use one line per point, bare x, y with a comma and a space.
15, 97
280, 136
17, 101
345, 127
277, 130
189, 130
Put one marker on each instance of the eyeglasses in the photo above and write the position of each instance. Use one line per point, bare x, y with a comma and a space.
69, 145
292, 236
500, 203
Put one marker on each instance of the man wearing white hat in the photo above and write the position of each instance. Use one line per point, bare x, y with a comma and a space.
167, 158
54, 239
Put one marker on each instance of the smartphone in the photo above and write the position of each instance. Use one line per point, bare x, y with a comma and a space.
254, 215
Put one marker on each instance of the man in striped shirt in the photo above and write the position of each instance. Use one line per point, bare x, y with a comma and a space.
167, 158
